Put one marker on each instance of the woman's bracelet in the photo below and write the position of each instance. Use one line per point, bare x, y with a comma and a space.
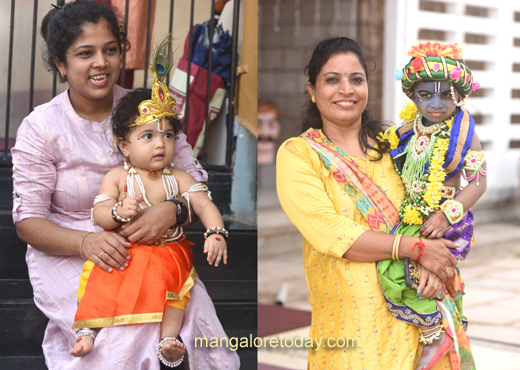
117, 218
395, 248
420, 246
81, 245
216, 230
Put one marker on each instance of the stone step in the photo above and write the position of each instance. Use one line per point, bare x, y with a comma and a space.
22, 325
248, 361
23, 362
242, 252
19, 291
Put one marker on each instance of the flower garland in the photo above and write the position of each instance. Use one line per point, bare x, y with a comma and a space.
415, 208
418, 205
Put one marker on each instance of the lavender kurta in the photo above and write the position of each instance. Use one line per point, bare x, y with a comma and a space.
59, 161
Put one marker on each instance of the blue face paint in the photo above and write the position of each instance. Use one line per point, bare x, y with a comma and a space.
434, 100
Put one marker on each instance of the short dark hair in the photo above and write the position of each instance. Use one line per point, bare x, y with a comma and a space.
311, 116
127, 111
63, 25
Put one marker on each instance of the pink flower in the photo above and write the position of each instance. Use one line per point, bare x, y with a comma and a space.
436, 67
417, 64
455, 73
475, 85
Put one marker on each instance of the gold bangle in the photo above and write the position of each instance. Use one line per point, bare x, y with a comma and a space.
395, 247
81, 245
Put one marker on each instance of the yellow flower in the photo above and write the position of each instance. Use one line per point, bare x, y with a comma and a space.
408, 112
390, 136
412, 216
393, 139
382, 136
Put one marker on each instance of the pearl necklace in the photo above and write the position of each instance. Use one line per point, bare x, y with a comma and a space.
170, 184
170, 187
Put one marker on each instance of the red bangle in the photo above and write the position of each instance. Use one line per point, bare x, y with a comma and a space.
420, 246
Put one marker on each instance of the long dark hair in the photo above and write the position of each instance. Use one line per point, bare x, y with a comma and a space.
311, 116
63, 24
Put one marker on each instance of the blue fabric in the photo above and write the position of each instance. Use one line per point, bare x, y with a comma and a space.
403, 142
222, 50
455, 134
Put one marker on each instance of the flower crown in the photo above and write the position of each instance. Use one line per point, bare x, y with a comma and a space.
436, 61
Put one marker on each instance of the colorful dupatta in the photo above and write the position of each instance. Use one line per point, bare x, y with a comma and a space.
379, 212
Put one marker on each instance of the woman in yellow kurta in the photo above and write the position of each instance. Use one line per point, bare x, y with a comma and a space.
342, 193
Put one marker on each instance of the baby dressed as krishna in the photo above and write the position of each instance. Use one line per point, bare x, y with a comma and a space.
156, 284
433, 150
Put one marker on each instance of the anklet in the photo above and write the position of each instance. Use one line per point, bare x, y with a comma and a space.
85, 332
429, 339
161, 357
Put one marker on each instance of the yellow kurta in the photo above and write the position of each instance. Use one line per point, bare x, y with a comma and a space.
345, 296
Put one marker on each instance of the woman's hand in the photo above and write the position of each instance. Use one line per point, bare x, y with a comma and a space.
216, 248
150, 223
437, 258
107, 250
435, 226
429, 284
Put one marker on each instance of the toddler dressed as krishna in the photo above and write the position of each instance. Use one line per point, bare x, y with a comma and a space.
435, 147
156, 284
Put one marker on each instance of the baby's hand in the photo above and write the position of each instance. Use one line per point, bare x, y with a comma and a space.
129, 206
435, 226
216, 248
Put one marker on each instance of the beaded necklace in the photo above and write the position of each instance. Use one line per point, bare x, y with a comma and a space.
422, 173
170, 184
171, 189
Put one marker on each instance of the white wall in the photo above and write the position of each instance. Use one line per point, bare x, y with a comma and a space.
403, 21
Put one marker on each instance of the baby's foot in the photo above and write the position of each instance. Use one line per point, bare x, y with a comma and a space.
83, 346
432, 354
173, 350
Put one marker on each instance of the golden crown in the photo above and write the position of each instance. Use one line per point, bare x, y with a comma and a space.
161, 105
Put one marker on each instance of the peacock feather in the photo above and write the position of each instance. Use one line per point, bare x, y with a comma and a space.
163, 58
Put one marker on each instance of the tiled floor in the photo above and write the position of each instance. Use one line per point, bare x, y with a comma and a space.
492, 302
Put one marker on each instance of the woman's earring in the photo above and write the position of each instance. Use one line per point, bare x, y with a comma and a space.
313, 100
125, 164
172, 165
62, 74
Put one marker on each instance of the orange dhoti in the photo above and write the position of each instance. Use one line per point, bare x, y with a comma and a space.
154, 276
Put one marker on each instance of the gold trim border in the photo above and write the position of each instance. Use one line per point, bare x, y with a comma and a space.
118, 320
137, 318
407, 126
